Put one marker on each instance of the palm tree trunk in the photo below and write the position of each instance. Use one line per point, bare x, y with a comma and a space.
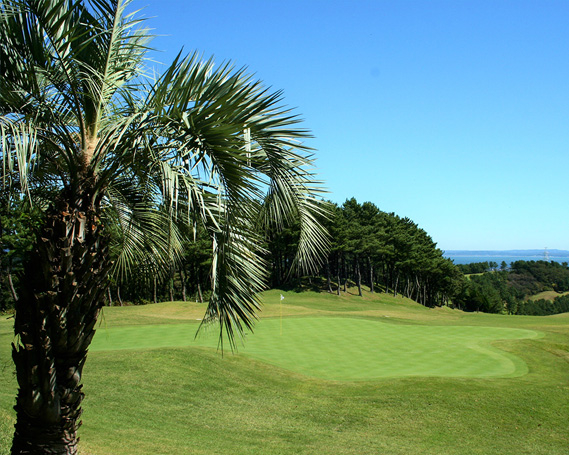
65, 285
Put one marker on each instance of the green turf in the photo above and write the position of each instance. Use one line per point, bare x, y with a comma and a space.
347, 348
191, 400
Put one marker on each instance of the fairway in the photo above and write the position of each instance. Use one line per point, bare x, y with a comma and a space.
347, 349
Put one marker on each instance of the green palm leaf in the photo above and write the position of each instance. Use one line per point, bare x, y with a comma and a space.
104, 149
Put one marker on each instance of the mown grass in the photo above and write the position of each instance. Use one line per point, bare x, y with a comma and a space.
192, 400
346, 348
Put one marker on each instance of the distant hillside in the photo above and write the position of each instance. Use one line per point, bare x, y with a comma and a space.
512, 253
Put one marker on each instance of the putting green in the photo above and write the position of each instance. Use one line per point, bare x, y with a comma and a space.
347, 348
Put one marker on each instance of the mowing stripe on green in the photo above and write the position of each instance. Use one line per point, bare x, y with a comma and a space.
348, 349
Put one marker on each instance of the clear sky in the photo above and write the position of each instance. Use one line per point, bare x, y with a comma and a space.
452, 113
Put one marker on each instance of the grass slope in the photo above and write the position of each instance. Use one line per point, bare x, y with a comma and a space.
189, 399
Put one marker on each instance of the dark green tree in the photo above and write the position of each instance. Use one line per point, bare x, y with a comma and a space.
371, 246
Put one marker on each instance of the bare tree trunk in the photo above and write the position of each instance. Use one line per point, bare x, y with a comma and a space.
200, 295
345, 276
358, 277
418, 287
119, 294
338, 271
155, 285
328, 277
396, 285
371, 287
109, 296
10, 282
171, 284
183, 280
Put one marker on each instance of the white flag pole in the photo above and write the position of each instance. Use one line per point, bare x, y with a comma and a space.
282, 298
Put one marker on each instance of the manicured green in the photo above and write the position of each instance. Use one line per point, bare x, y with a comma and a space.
192, 400
347, 348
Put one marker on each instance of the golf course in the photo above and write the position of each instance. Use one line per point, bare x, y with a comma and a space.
320, 374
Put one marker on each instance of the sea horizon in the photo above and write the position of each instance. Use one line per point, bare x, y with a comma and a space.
508, 256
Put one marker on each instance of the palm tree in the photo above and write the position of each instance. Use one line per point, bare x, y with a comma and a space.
89, 137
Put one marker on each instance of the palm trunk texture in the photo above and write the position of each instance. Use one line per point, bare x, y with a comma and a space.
63, 289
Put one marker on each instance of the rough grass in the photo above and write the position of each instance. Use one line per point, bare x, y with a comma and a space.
191, 400
546, 295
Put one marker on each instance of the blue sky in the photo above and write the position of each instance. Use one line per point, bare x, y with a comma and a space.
452, 113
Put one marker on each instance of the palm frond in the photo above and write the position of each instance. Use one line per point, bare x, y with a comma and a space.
143, 234
227, 136
18, 148
238, 274
200, 144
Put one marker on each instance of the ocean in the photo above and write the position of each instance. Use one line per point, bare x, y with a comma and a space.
499, 259
467, 259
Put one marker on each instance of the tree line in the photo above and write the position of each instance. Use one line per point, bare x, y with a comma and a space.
383, 251
367, 247
481, 267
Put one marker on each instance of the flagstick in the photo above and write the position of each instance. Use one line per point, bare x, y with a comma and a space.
282, 298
